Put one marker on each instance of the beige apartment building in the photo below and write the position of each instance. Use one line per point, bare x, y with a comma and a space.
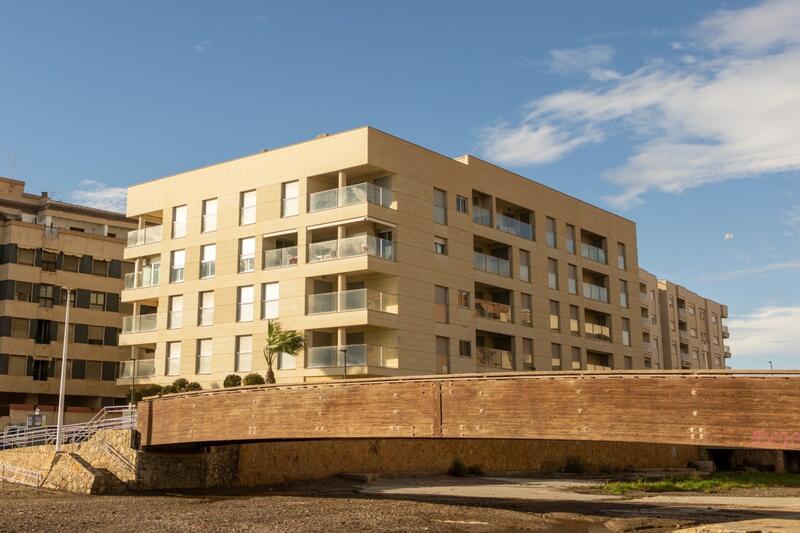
390, 258
48, 246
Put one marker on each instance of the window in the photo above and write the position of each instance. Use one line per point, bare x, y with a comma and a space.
442, 346
623, 293
552, 273
440, 245
574, 321
693, 332
244, 353
179, 221
465, 348
290, 202
46, 296
621, 262
97, 301
461, 204
204, 353
570, 238
628, 361
713, 318
173, 358
244, 304
439, 206
576, 358
209, 221
555, 319
48, 261
175, 317
691, 309
287, 361
109, 372
463, 299
270, 296
247, 207
527, 354
177, 262
551, 232
94, 370
100, 267
626, 332
247, 254
23, 291
70, 263
19, 328
524, 265
208, 261
555, 355
205, 308
526, 309
95, 335
572, 279
78, 369
440, 307
25, 256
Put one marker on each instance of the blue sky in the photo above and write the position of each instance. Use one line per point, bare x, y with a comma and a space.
681, 115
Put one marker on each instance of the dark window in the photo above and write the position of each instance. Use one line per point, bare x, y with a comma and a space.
71, 263
3, 364
43, 331
97, 301
78, 369
49, 261
100, 267
465, 348
95, 335
46, 295
109, 371
79, 230
25, 256
23, 291
40, 370
461, 204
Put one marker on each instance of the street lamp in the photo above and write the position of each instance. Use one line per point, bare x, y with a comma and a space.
63, 385
770, 366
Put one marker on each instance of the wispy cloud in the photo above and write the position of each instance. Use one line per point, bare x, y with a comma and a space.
96, 194
201, 46
767, 332
730, 111
769, 268
582, 59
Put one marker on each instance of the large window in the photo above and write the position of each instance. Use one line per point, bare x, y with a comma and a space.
552, 273
623, 293
175, 318
621, 260
555, 354
247, 207
23, 291
440, 304
205, 308
209, 222
20, 328
244, 353
97, 301
208, 261
204, 352
179, 221
524, 265
555, 318
247, 254
46, 295
25, 256
572, 279
526, 309
270, 299
173, 358
70, 263
48, 261
576, 358
570, 238
626, 332
177, 264
439, 206
95, 335
551, 232
244, 304
527, 354
574, 321
100, 267
290, 199
465, 348
287, 361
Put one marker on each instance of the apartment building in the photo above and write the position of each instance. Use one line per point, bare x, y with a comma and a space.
48, 246
392, 259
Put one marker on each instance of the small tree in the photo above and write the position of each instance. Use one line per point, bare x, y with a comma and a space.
253, 379
232, 380
180, 384
280, 341
193, 386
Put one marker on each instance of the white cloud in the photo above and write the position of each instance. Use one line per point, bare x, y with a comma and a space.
731, 112
768, 268
572, 60
766, 333
99, 195
201, 46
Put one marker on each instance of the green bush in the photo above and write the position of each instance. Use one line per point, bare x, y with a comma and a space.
232, 380
169, 389
457, 468
193, 386
180, 384
145, 391
253, 379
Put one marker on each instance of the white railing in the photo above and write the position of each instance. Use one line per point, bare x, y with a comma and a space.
514, 226
145, 236
492, 264
147, 277
351, 247
116, 417
24, 476
145, 368
357, 355
353, 300
350, 195
139, 323
280, 257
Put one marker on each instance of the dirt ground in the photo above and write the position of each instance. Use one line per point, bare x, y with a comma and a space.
430, 504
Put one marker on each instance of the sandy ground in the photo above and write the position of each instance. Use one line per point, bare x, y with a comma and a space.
422, 504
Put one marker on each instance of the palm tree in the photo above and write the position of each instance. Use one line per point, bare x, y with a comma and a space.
280, 341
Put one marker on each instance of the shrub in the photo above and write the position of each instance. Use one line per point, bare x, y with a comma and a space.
457, 468
145, 391
169, 389
180, 384
253, 379
193, 386
232, 380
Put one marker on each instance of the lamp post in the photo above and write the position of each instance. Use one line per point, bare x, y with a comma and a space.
63, 385
770, 366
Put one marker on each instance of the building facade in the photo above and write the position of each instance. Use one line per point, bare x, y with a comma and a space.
390, 258
46, 247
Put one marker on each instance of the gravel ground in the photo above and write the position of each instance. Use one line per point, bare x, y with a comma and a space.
330, 505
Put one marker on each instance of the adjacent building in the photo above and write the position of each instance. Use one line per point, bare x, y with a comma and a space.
392, 259
48, 246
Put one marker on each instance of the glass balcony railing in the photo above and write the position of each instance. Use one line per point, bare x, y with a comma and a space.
148, 277
280, 257
352, 194
356, 355
593, 253
354, 300
141, 368
493, 310
146, 235
493, 358
595, 292
139, 323
351, 247
492, 264
514, 227
481, 215
597, 331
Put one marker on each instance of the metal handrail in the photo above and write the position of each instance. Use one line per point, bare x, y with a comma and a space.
24, 476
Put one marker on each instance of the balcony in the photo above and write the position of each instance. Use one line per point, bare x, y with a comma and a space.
593, 253
357, 355
481, 215
148, 277
595, 292
351, 247
280, 257
144, 368
350, 195
354, 300
492, 264
514, 227
683, 334
597, 331
493, 310
727, 351
139, 323
682, 312
725, 332
146, 235
493, 358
